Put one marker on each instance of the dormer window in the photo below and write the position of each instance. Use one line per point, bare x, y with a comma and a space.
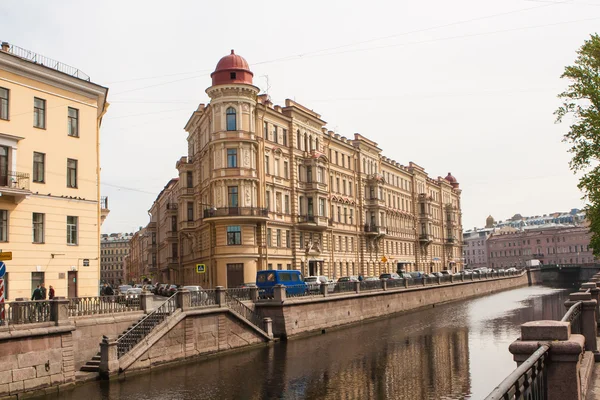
232, 75
231, 123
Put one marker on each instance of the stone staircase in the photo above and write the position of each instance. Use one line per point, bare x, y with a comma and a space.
93, 365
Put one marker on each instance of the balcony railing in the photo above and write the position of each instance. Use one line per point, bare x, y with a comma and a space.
104, 203
307, 218
425, 238
236, 212
450, 240
371, 228
172, 206
14, 180
172, 261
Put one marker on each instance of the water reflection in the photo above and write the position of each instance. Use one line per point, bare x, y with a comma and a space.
454, 351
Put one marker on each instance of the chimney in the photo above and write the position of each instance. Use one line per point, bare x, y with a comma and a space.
5, 46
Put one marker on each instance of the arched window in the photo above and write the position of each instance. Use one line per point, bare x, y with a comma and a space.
231, 122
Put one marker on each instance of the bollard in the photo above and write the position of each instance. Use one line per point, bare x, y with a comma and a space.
439, 280
268, 325
109, 362
220, 296
357, 287
324, 288
563, 373
384, 284
279, 293
145, 301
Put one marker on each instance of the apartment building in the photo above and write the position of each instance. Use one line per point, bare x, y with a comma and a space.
114, 249
269, 187
50, 204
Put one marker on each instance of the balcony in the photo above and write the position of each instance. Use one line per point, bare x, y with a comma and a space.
186, 191
104, 210
237, 212
172, 262
425, 238
172, 234
151, 248
172, 208
313, 222
15, 184
372, 229
450, 241
187, 224
374, 202
377, 177
313, 185
151, 226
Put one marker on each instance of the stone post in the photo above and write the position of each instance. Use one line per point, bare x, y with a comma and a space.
145, 301
472, 277
279, 293
589, 325
384, 284
268, 326
439, 279
324, 288
220, 296
254, 294
566, 350
405, 283
109, 362
184, 299
593, 287
59, 311
451, 278
462, 277
357, 287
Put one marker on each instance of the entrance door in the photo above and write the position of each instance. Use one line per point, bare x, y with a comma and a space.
3, 166
72, 277
235, 275
312, 268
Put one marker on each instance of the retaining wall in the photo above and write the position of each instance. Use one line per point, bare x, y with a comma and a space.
299, 316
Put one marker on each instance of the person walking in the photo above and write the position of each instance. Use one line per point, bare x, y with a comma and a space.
51, 293
36, 309
43, 290
37, 294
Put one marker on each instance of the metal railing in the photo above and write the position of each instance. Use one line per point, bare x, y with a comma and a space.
236, 211
14, 180
528, 381
240, 293
47, 62
573, 315
244, 311
395, 283
203, 298
370, 285
301, 291
341, 287
95, 305
135, 334
25, 312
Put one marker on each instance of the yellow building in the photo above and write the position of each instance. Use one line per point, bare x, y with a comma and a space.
50, 204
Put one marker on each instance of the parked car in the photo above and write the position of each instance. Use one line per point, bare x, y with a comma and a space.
431, 276
511, 269
416, 274
123, 289
406, 276
371, 278
314, 283
150, 288
445, 272
171, 290
132, 295
438, 274
352, 278
265, 280
393, 275
196, 292
247, 285
162, 290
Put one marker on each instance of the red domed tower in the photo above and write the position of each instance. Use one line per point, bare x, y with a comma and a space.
232, 69
452, 180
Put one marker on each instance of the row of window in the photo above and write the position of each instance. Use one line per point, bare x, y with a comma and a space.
39, 170
113, 251
38, 228
549, 250
39, 113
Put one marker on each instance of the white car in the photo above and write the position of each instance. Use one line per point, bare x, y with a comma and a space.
196, 292
314, 283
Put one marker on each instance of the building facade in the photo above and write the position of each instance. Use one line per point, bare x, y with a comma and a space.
475, 247
114, 249
50, 205
269, 187
550, 244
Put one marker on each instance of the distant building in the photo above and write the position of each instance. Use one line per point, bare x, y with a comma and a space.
114, 248
557, 238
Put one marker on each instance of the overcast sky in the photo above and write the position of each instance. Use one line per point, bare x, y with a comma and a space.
464, 86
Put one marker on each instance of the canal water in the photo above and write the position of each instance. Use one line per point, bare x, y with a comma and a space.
453, 351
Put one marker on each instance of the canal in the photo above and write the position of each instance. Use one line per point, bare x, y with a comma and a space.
453, 351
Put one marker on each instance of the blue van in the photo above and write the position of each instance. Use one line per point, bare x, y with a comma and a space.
265, 280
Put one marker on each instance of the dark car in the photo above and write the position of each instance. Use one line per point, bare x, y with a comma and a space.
171, 290
390, 276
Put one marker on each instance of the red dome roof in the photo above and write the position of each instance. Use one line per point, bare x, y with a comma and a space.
450, 178
232, 69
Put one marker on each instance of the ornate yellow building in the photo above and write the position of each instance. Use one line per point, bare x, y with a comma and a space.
268, 187
50, 204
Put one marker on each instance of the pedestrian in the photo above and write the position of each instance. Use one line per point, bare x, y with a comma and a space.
108, 291
37, 294
43, 290
51, 293
360, 278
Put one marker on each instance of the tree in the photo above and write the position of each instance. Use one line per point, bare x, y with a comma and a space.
581, 102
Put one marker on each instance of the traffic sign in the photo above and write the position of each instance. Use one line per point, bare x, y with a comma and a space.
200, 268
86, 262
383, 259
5, 255
2, 269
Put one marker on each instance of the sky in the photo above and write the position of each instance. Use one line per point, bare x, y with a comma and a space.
464, 86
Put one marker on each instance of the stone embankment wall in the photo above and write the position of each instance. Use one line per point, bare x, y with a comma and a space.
299, 316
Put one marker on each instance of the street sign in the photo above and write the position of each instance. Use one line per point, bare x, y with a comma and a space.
200, 268
2, 269
86, 262
383, 259
5, 255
